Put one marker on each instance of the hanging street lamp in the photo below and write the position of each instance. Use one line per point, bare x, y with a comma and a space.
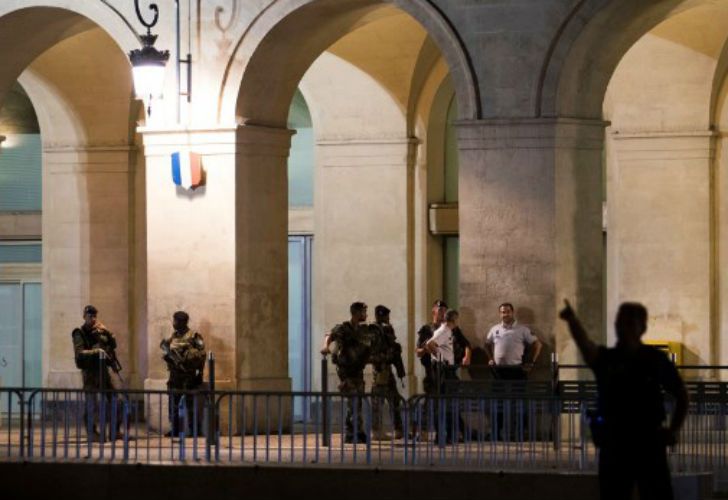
148, 63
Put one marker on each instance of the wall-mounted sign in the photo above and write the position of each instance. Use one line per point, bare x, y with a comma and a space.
187, 170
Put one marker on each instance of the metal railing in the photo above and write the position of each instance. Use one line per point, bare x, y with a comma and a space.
483, 424
509, 426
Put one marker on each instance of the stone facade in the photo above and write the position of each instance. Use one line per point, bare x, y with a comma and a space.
564, 108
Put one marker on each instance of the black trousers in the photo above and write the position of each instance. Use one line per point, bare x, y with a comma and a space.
182, 414
509, 372
446, 407
382, 393
641, 462
102, 414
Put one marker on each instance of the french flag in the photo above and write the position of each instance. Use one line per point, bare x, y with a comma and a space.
187, 169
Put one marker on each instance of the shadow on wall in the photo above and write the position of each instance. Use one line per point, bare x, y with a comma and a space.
467, 317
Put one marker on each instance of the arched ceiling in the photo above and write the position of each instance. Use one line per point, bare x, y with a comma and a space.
387, 50
87, 77
666, 80
298, 32
17, 115
22, 41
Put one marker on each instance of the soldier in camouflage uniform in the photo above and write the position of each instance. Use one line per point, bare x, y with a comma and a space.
349, 343
386, 353
91, 344
184, 353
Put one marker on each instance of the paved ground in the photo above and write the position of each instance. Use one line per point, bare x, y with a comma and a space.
149, 447
62, 444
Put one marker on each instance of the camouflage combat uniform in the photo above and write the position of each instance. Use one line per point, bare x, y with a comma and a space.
96, 377
185, 358
354, 344
386, 353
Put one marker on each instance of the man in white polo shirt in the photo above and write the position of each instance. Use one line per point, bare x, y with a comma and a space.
441, 347
507, 342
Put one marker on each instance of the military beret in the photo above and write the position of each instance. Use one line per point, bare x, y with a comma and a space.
381, 310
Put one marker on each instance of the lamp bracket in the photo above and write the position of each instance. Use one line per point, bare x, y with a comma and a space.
149, 25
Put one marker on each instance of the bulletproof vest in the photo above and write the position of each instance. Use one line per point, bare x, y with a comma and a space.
96, 338
105, 340
354, 346
384, 346
189, 340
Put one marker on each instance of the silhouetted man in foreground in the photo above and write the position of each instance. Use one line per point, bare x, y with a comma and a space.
628, 428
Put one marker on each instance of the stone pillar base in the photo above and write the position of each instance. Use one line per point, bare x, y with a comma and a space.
64, 379
156, 409
156, 406
256, 413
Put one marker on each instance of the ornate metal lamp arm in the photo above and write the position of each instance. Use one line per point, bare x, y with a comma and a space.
154, 8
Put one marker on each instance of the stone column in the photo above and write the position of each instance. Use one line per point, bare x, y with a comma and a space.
530, 224
85, 252
660, 235
363, 248
190, 250
261, 271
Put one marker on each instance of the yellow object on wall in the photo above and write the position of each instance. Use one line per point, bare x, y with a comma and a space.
668, 348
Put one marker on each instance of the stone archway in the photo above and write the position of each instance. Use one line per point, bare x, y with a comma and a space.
590, 45
280, 28
277, 51
80, 85
650, 69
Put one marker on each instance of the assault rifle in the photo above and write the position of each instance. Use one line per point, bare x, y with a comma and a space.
173, 357
108, 346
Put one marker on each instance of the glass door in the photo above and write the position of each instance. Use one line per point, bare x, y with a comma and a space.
299, 320
21, 337
11, 335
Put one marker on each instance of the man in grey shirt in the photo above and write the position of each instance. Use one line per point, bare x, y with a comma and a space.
506, 344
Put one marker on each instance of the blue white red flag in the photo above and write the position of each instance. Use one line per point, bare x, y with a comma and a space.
187, 169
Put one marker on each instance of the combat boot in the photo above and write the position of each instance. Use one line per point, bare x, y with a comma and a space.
93, 435
361, 438
378, 434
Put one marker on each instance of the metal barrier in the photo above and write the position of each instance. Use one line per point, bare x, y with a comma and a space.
521, 426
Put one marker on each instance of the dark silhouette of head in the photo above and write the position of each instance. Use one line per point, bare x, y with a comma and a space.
358, 311
180, 319
89, 316
631, 322
381, 314
451, 316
